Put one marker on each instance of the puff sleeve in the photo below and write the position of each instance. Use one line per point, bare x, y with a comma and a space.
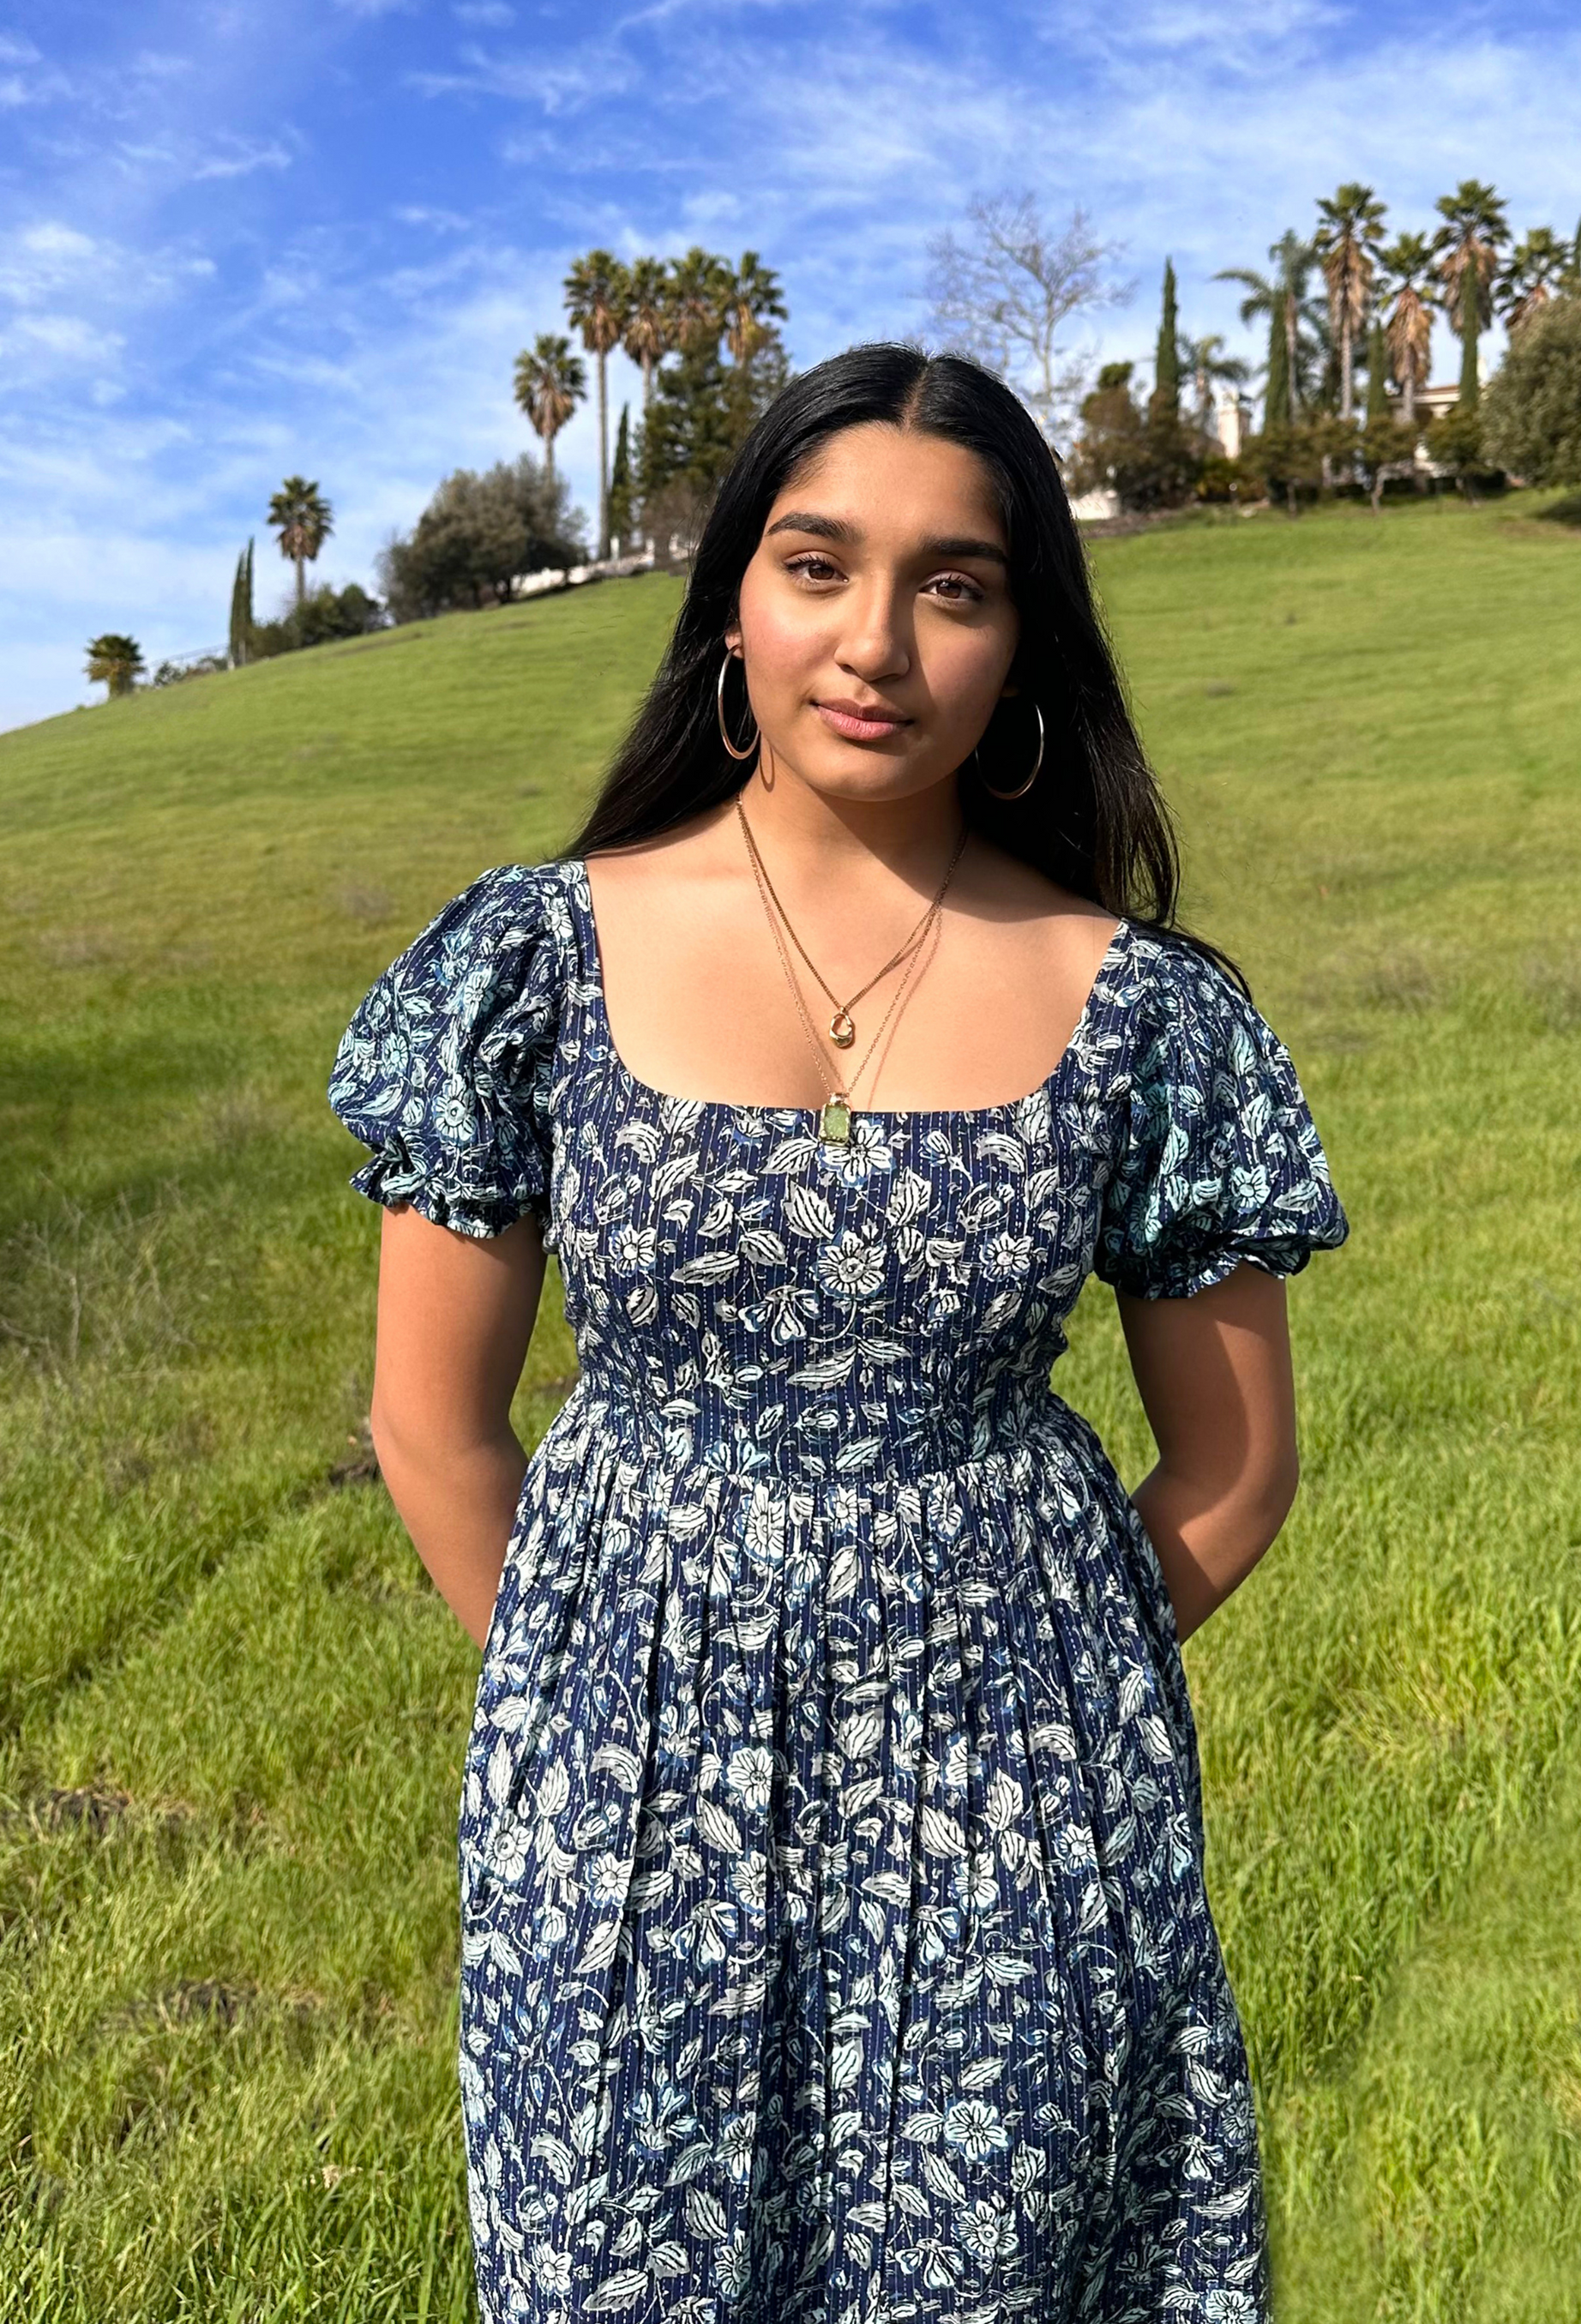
444, 1070
1218, 1159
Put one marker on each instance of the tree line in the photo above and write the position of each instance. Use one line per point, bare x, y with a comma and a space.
1343, 307
701, 328
678, 319
302, 519
1343, 304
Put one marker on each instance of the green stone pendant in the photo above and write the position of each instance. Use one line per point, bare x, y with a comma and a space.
835, 1122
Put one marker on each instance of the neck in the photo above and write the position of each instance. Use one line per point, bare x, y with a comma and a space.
814, 834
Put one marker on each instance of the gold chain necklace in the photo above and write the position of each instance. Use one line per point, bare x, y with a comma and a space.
842, 1030
834, 1119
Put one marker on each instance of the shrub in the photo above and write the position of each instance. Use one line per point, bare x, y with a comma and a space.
1531, 408
1458, 442
324, 613
1149, 460
478, 535
1219, 478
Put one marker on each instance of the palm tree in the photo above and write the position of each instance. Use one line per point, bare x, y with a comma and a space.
751, 297
1207, 367
304, 520
114, 661
649, 331
551, 380
700, 286
1282, 298
1347, 244
597, 296
1534, 270
1466, 247
1407, 269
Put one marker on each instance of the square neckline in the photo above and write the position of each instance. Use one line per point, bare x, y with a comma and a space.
592, 960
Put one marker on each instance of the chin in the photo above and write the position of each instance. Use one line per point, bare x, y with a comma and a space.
865, 771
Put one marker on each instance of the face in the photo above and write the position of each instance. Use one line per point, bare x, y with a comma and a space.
875, 624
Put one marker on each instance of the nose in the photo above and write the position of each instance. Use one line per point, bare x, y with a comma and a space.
876, 644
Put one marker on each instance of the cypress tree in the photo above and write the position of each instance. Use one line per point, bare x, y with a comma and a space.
621, 481
241, 621
1276, 396
1378, 405
1166, 390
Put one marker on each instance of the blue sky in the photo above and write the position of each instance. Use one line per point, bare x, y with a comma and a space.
238, 240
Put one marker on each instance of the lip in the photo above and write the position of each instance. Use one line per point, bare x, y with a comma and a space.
861, 723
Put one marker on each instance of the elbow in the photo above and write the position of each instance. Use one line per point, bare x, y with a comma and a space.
1277, 1492
394, 1437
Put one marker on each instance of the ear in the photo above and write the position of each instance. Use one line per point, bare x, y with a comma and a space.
732, 637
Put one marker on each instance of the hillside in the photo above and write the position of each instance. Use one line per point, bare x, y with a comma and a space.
231, 1708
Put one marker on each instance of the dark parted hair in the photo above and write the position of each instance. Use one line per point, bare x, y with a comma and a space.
1095, 821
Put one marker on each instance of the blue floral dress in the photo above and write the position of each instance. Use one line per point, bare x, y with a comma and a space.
834, 1938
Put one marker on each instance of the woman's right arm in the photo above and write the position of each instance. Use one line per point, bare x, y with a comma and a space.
455, 1313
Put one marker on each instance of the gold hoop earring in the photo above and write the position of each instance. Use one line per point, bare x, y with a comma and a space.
724, 732
1022, 789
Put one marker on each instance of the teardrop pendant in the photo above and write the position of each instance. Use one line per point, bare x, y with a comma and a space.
842, 1028
835, 1122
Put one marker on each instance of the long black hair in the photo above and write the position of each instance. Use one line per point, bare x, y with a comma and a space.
1095, 821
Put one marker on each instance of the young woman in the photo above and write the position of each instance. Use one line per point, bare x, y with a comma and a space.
835, 1941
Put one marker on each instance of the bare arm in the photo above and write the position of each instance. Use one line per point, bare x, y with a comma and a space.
1213, 1374
454, 1319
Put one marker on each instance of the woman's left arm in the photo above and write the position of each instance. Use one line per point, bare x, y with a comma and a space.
1213, 1374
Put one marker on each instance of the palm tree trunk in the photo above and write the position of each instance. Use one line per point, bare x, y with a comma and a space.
603, 459
549, 456
646, 382
1289, 356
301, 566
1470, 332
1347, 374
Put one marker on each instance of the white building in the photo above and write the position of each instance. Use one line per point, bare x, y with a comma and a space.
1232, 422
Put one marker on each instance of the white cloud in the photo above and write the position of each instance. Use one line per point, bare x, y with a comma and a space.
240, 159
437, 221
33, 343
559, 84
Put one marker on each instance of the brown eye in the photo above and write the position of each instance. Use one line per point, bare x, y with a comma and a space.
956, 589
813, 568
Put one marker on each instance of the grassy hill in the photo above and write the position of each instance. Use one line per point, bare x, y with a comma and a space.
232, 1709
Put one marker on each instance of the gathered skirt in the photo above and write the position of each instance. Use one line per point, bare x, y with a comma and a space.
835, 1943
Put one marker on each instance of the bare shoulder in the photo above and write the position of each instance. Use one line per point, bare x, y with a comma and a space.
667, 859
1048, 918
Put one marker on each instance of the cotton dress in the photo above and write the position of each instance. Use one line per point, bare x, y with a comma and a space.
835, 1943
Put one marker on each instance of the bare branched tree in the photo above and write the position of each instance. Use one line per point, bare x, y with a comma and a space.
1008, 290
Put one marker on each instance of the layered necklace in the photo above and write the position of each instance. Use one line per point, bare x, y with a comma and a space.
834, 1119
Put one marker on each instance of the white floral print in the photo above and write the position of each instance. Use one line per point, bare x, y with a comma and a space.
835, 1943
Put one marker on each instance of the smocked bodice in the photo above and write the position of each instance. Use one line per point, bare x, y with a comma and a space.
747, 1295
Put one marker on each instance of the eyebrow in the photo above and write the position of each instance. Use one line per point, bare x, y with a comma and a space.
833, 528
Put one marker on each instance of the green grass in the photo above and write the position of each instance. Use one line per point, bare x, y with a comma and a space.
230, 1709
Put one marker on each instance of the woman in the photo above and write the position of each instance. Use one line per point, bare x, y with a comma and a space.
835, 1943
